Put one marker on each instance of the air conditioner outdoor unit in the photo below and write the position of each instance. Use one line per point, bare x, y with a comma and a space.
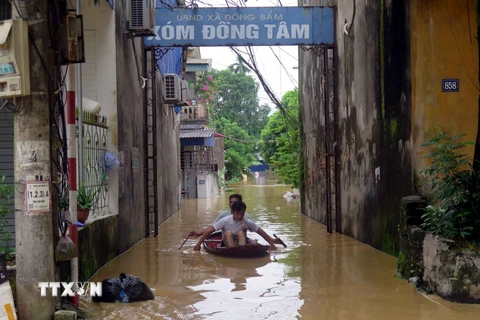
141, 16
184, 95
171, 89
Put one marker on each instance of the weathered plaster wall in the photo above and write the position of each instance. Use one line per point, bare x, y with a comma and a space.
210, 186
455, 275
169, 173
131, 204
444, 45
434, 263
93, 256
99, 77
219, 152
313, 119
373, 110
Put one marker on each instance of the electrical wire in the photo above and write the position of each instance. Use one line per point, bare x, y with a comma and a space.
458, 48
294, 82
249, 141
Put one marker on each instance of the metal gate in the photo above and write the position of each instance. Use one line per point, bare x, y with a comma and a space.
150, 142
331, 158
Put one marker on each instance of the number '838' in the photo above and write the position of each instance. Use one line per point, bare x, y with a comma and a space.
450, 85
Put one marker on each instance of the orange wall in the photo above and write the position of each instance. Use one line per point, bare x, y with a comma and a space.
444, 45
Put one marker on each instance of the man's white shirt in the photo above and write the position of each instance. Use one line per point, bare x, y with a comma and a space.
228, 224
229, 213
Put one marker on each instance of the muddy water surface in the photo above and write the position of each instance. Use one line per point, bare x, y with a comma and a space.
318, 276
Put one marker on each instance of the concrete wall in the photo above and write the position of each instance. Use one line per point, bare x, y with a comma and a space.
100, 75
210, 186
169, 172
219, 152
444, 45
92, 255
373, 121
189, 183
131, 121
434, 263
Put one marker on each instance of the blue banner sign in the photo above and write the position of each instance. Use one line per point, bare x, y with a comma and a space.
254, 26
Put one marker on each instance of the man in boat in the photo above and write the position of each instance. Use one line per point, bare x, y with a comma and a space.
234, 228
231, 199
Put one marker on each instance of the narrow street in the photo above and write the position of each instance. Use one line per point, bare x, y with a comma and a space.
318, 276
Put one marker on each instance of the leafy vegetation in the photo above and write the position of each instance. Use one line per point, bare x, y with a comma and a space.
238, 155
86, 197
281, 140
231, 97
6, 207
455, 187
236, 100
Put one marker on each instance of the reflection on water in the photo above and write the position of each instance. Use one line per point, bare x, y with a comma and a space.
319, 276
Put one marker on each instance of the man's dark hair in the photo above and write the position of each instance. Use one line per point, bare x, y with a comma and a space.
238, 206
235, 195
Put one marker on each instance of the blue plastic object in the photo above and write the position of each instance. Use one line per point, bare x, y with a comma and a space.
111, 162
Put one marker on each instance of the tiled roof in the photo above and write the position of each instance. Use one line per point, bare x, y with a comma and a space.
200, 133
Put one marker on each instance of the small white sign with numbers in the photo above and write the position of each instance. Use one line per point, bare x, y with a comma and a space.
37, 196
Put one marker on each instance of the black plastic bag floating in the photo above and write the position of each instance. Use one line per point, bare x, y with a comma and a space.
126, 288
111, 289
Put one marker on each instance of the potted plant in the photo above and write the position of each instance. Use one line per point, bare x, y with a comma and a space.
86, 199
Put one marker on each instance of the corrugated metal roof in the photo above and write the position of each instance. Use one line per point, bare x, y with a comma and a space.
199, 61
201, 133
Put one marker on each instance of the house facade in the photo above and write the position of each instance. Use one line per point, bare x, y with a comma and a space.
117, 119
370, 101
199, 165
122, 82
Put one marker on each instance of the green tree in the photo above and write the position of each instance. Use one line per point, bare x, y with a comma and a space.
239, 154
236, 99
231, 97
239, 66
280, 145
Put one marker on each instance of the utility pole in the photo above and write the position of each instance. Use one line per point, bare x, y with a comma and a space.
34, 230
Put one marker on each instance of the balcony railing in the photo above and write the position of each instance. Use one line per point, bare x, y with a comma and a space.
192, 113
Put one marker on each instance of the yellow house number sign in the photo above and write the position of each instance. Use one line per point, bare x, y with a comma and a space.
37, 196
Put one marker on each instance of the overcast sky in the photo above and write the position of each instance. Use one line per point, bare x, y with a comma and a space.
281, 79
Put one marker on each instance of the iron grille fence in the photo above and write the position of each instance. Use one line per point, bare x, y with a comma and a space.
94, 148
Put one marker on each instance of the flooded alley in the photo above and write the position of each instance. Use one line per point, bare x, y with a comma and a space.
318, 276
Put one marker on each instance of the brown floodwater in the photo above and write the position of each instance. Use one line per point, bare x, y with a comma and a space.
318, 276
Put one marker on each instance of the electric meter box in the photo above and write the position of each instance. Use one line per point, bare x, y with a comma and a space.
14, 59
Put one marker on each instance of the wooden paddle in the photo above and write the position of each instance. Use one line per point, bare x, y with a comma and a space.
184, 242
281, 241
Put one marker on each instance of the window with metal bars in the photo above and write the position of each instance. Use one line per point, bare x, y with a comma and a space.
197, 158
